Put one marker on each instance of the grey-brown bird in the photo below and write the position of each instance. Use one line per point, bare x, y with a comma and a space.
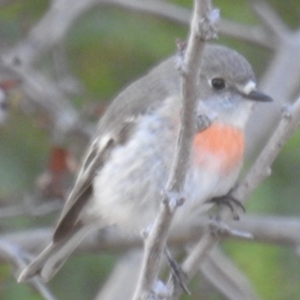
127, 164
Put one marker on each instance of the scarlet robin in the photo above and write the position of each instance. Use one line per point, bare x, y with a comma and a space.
127, 164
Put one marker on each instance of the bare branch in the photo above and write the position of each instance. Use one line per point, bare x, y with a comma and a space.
270, 19
274, 230
271, 229
213, 232
175, 13
251, 34
203, 27
191, 264
226, 277
49, 31
283, 231
46, 96
29, 209
121, 282
280, 80
262, 167
53, 27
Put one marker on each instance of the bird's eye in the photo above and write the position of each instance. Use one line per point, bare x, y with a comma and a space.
218, 83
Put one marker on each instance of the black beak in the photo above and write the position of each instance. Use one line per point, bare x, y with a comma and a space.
258, 96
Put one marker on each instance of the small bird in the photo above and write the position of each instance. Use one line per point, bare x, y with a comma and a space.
127, 164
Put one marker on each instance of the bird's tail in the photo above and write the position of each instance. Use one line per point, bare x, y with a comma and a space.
48, 263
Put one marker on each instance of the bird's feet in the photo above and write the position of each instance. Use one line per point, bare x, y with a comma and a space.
230, 202
177, 272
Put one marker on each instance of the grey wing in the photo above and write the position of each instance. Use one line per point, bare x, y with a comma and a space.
120, 120
82, 191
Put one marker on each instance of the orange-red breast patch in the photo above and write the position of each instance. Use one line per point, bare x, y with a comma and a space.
220, 146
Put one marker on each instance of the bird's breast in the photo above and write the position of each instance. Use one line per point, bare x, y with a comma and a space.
219, 147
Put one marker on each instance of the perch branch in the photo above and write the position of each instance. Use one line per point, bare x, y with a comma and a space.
203, 27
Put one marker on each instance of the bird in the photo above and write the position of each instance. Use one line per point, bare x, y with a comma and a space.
128, 161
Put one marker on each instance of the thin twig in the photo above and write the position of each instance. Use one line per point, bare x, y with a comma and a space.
226, 277
262, 167
29, 209
49, 31
54, 25
270, 19
276, 230
254, 35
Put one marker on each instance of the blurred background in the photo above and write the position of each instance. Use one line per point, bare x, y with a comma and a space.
103, 49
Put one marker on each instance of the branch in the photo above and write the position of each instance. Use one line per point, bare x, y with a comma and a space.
212, 234
30, 206
226, 277
45, 95
281, 81
202, 28
270, 19
262, 167
49, 31
283, 231
54, 25
123, 278
175, 13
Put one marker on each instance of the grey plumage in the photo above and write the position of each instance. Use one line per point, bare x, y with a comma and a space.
130, 197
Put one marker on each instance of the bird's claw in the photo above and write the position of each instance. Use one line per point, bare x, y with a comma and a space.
230, 202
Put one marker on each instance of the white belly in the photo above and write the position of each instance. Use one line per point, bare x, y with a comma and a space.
127, 191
